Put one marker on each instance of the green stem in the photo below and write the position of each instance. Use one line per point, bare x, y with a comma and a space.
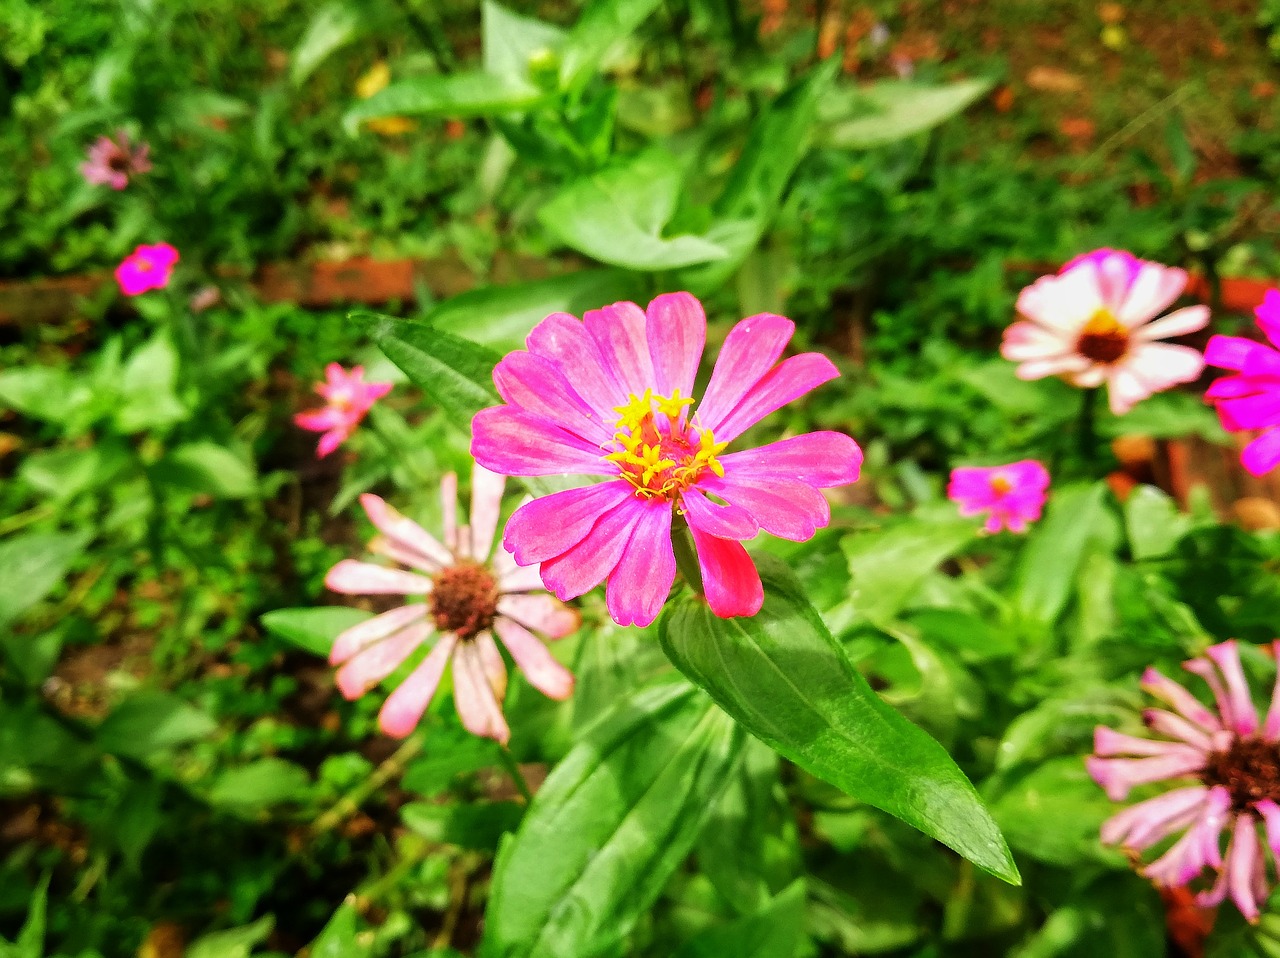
687, 557
517, 776
1087, 429
350, 803
16, 522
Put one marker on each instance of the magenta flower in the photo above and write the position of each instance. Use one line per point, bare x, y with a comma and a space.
146, 268
612, 396
1010, 496
1251, 399
348, 398
112, 160
1235, 765
1092, 323
462, 599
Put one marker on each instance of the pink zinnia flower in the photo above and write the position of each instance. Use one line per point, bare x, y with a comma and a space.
1251, 399
1235, 765
612, 396
1091, 324
1010, 496
348, 399
462, 599
113, 160
146, 268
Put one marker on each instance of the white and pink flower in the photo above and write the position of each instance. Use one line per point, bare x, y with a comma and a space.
458, 599
1092, 323
348, 398
112, 160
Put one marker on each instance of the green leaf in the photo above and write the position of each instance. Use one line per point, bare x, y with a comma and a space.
147, 385
63, 474
332, 27
783, 677
1120, 916
1061, 724
30, 940
41, 392
313, 630
233, 943
891, 110
774, 932
205, 467
602, 24
611, 823
1047, 568
887, 566
617, 216
1153, 523
147, 722
1053, 813
502, 316
475, 93
31, 565
475, 825
259, 785
340, 937
508, 41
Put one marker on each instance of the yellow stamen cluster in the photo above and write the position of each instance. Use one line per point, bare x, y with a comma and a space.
1000, 484
662, 459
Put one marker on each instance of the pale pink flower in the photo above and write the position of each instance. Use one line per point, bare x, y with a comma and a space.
146, 268
113, 160
348, 398
612, 396
1092, 323
460, 597
1251, 399
1010, 496
1232, 766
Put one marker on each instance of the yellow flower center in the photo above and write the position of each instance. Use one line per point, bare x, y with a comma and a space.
658, 450
1103, 339
1000, 484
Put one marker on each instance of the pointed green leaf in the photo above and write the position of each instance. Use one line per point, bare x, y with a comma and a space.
31, 565
774, 932
453, 95
602, 24
1046, 573
891, 110
313, 630
788, 682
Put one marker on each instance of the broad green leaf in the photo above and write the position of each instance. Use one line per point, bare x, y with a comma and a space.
340, 937
502, 316
1153, 523
259, 785
788, 682
63, 474
31, 565
41, 392
475, 825
205, 467
453, 95
147, 722
778, 141
891, 110
508, 41
332, 27
147, 385
887, 566
611, 823
233, 943
1053, 813
313, 630
602, 24
617, 216
1063, 724
774, 932
1047, 568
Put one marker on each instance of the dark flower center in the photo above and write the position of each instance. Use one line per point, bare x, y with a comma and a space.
1249, 770
1103, 339
464, 599
118, 162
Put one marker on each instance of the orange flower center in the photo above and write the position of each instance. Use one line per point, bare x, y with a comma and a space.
1103, 339
464, 599
658, 451
1000, 484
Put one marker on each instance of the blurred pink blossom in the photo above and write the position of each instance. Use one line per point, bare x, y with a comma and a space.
112, 160
1092, 323
1251, 399
461, 598
146, 268
348, 398
1010, 496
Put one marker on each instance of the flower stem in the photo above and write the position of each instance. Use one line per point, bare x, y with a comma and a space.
1087, 430
687, 557
350, 803
517, 776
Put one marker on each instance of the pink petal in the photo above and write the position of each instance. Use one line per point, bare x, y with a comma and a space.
1206, 670
540, 612
516, 443
1229, 387
1175, 726
330, 441
320, 420
1230, 352
365, 578
1055, 366
789, 380
1270, 813
376, 661
749, 351
1151, 821
363, 634
492, 663
1239, 878
620, 334
1183, 702
1062, 303
788, 510
473, 696
1125, 390
1153, 291
1198, 848
581, 568
1268, 316
821, 459
535, 385
486, 506
1108, 743
677, 332
1271, 725
404, 531
515, 578
1252, 412
1178, 323
403, 709
565, 341
642, 579
1025, 341
723, 521
1244, 715
535, 660
551, 526
1160, 365
730, 581
1118, 775
1263, 454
